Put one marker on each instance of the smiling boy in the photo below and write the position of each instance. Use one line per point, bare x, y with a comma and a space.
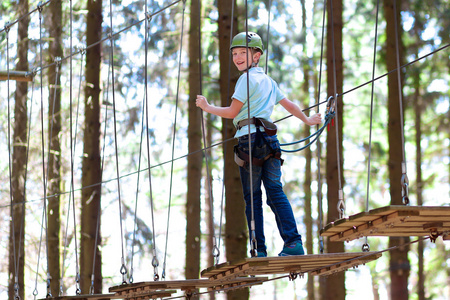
263, 94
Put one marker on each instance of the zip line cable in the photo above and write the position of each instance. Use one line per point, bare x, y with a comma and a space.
71, 193
155, 261
173, 140
11, 197
123, 268
144, 102
319, 148
222, 200
72, 184
38, 7
404, 179
253, 241
215, 250
366, 246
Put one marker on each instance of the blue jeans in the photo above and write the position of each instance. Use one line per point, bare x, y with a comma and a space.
270, 175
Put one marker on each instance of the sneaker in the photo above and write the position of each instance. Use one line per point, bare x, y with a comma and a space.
296, 248
262, 254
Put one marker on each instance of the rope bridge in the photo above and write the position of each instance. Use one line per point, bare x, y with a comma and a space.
431, 222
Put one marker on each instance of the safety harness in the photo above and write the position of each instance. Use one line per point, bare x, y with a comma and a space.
241, 158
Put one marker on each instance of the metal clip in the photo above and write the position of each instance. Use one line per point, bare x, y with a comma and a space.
40, 6
7, 27
123, 271
405, 185
341, 205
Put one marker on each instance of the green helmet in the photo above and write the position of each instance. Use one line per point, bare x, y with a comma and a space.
254, 41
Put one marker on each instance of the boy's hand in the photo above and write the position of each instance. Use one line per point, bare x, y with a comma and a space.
314, 120
201, 102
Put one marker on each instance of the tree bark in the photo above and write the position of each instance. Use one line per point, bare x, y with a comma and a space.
54, 164
194, 169
19, 163
91, 164
236, 236
333, 287
399, 263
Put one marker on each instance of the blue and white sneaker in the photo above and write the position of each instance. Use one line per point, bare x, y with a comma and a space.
295, 248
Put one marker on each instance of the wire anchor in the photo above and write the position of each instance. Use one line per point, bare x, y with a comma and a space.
215, 250
405, 185
155, 264
16, 288
341, 205
123, 271
49, 290
77, 282
91, 288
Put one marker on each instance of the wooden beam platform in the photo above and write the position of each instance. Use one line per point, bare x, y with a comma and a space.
158, 289
16, 76
86, 297
318, 264
394, 220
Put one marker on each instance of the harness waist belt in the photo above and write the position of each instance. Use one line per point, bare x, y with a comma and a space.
241, 158
269, 127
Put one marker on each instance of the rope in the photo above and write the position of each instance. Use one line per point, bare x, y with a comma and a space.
22, 226
173, 140
38, 7
253, 242
319, 148
328, 117
215, 250
155, 262
226, 129
268, 35
72, 184
123, 268
16, 262
366, 244
404, 179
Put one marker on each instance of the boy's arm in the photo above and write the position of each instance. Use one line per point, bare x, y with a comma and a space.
296, 111
228, 112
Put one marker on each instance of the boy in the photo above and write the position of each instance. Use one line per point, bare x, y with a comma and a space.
263, 94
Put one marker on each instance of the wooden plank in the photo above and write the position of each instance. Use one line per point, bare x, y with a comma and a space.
151, 288
86, 297
287, 264
391, 221
16, 76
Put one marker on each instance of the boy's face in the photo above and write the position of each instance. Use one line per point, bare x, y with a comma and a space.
244, 57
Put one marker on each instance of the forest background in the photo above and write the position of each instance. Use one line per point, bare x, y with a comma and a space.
150, 214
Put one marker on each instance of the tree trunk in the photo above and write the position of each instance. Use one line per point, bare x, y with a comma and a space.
54, 163
91, 164
236, 237
194, 169
19, 162
419, 182
308, 220
333, 287
399, 263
